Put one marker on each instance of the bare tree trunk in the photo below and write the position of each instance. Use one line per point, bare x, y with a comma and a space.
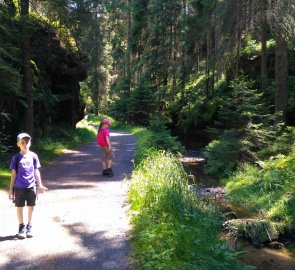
26, 69
208, 54
264, 79
281, 77
213, 55
128, 53
198, 58
238, 50
238, 41
96, 91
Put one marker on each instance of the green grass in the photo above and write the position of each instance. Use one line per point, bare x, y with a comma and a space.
271, 188
4, 177
95, 120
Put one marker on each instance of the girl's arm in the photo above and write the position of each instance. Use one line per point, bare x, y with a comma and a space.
109, 142
40, 186
12, 180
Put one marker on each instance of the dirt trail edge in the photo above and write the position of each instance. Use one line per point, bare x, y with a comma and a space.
81, 221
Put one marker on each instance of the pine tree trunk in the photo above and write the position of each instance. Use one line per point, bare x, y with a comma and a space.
238, 52
96, 84
213, 47
96, 95
198, 59
238, 37
264, 79
26, 69
281, 77
128, 51
208, 54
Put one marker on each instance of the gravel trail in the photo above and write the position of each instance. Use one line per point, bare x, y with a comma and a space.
81, 221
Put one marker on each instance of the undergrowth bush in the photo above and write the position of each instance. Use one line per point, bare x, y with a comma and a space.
161, 136
222, 155
283, 144
172, 228
249, 127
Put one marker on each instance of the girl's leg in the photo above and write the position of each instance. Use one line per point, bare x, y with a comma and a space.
110, 158
107, 162
110, 163
104, 165
104, 157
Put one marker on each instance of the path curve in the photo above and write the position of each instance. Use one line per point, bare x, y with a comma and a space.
81, 221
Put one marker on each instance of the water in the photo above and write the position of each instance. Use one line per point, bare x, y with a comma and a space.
264, 258
267, 258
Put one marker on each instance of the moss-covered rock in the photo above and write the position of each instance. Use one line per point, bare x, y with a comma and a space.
258, 231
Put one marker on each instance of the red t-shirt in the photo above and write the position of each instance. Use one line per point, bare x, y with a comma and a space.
101, 137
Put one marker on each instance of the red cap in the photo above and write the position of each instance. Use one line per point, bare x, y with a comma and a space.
106, 121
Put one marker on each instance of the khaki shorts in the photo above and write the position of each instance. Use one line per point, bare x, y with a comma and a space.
107, 153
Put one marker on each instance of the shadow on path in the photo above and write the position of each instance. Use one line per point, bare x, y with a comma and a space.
81, 221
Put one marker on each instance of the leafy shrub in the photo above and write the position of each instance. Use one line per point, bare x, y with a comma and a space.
192, 109
4, 138
161, 138
137, 107
119, 110
283, 144
249, 127
222, 155
291, 100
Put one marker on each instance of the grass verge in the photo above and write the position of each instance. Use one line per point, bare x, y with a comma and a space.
172, 228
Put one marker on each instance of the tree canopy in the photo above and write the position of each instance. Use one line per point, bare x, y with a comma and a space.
136, 59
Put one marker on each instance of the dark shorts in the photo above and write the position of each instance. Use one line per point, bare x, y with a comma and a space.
23, 195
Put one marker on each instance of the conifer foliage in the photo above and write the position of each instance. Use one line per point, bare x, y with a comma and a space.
10, 79
249, 127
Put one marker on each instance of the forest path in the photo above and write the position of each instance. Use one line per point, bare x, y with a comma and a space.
81, 221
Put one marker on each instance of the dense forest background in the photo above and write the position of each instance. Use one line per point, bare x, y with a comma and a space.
215, 76
219, 72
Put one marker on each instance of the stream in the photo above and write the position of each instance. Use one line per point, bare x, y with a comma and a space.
264, 258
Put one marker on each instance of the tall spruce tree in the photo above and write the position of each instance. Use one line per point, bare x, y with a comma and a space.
283, 22
247, 118
26, 67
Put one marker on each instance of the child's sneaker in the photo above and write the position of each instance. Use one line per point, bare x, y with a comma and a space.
21, 231
29, 231
105, 172
110, 172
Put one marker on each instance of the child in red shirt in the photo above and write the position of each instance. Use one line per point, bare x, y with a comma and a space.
103, 140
